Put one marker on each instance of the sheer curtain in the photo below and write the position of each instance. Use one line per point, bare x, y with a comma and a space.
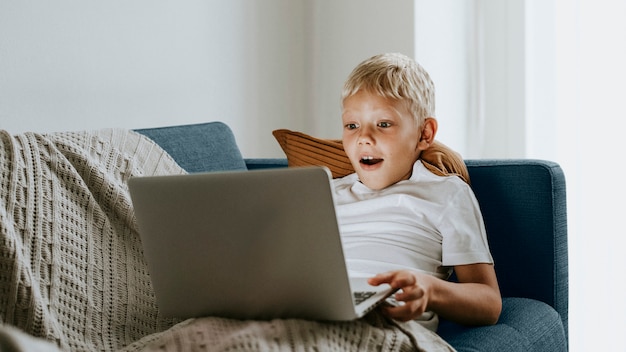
572, 55
590, 61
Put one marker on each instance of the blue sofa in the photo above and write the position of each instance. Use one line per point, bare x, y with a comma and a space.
524, 208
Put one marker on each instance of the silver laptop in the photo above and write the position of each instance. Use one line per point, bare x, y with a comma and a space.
248, 245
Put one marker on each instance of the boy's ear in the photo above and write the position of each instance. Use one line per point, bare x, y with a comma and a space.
427, 137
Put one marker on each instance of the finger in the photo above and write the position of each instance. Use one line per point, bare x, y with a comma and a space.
382, 278
396, 279
403, 279
378, 279
404, 312
409, 293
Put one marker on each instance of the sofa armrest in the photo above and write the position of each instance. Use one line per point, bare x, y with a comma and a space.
524, 208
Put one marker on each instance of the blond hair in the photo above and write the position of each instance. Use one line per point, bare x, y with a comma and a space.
394, 76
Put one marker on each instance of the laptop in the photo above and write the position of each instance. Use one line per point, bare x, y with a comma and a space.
259, 244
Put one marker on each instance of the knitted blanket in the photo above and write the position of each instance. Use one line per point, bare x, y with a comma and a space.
72, 273
71, 263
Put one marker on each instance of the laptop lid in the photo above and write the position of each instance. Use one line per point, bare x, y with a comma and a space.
248, 245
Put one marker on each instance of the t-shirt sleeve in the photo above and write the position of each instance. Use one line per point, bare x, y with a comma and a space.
463, 231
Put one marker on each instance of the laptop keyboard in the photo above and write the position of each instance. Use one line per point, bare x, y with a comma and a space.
361, 296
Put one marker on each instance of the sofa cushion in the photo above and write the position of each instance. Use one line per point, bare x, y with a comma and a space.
524, 325
305, 150
201, 147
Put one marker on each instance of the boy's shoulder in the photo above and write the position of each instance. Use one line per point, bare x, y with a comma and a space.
424, 177
422, 172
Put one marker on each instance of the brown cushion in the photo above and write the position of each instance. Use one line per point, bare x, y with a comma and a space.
304, 150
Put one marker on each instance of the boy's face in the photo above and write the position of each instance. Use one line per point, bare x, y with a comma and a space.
381, 138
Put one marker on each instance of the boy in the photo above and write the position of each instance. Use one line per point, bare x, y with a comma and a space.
401, 224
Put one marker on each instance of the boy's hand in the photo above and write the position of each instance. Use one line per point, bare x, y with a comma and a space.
474, 300
413, 294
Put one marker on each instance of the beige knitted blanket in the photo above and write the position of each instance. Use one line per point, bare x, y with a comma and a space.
72, 273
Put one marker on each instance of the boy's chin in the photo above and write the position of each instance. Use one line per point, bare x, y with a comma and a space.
375, 184
377, 180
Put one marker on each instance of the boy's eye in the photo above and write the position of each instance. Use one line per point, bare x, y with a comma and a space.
351, 126
384, 124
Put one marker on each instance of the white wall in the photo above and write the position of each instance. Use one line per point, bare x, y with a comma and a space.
82, 65
258, 66
344, 33
72, 64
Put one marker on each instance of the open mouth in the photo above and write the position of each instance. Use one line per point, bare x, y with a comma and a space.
370, 160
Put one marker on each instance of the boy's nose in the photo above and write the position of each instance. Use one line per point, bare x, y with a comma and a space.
365, 136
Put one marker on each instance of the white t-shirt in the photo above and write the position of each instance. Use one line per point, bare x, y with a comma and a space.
428, 223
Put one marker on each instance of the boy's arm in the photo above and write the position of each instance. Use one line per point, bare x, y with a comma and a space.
474, 300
